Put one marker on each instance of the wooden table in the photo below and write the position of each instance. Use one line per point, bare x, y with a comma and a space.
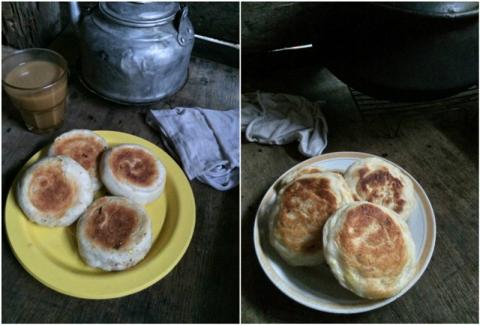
203, 287
440, 152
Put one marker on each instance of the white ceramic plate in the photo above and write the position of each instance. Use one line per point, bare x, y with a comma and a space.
316, 287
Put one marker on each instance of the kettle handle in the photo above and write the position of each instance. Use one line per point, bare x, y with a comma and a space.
185, 28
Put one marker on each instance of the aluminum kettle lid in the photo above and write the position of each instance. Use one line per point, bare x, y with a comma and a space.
140, 13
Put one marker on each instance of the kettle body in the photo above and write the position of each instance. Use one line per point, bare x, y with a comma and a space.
132, 54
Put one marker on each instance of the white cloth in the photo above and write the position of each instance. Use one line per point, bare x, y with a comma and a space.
280, 119
205, 140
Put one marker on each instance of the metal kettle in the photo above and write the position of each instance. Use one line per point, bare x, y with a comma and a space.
135, 52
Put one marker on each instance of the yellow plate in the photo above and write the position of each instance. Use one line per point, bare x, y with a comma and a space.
50, 254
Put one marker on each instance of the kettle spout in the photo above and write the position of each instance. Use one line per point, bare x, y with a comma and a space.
75, 14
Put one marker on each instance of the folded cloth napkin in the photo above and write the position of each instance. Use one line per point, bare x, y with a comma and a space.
205, 140
280, 119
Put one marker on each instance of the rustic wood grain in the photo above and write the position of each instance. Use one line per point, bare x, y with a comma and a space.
31, 24
203, 287
441, 152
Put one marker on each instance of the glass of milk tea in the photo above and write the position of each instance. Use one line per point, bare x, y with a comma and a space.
36, 82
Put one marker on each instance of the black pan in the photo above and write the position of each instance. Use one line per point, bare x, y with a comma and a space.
401, 51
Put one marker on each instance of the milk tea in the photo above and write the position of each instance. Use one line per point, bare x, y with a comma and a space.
38, 88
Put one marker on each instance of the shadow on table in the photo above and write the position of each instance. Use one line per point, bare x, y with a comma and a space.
461, 128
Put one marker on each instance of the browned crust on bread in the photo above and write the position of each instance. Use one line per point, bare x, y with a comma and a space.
110, 223
84, 149
372, 242
371, 183
133, 165
307, 171
305, 206
50, 191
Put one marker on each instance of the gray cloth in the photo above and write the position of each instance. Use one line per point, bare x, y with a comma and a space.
206, 142
280, 119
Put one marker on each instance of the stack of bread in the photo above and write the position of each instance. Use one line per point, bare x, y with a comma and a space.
354, 221
113, 232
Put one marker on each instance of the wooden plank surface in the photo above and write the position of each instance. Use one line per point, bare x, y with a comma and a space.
203, 287
441, 152
31, 24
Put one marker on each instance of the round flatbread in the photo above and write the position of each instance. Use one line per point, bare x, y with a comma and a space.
55, 191
302, 208
133, 171
378, 181
85, 147
297, 173
114, 234
369, 249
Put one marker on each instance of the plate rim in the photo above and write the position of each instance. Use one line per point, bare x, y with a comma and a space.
189, 227
425, 254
